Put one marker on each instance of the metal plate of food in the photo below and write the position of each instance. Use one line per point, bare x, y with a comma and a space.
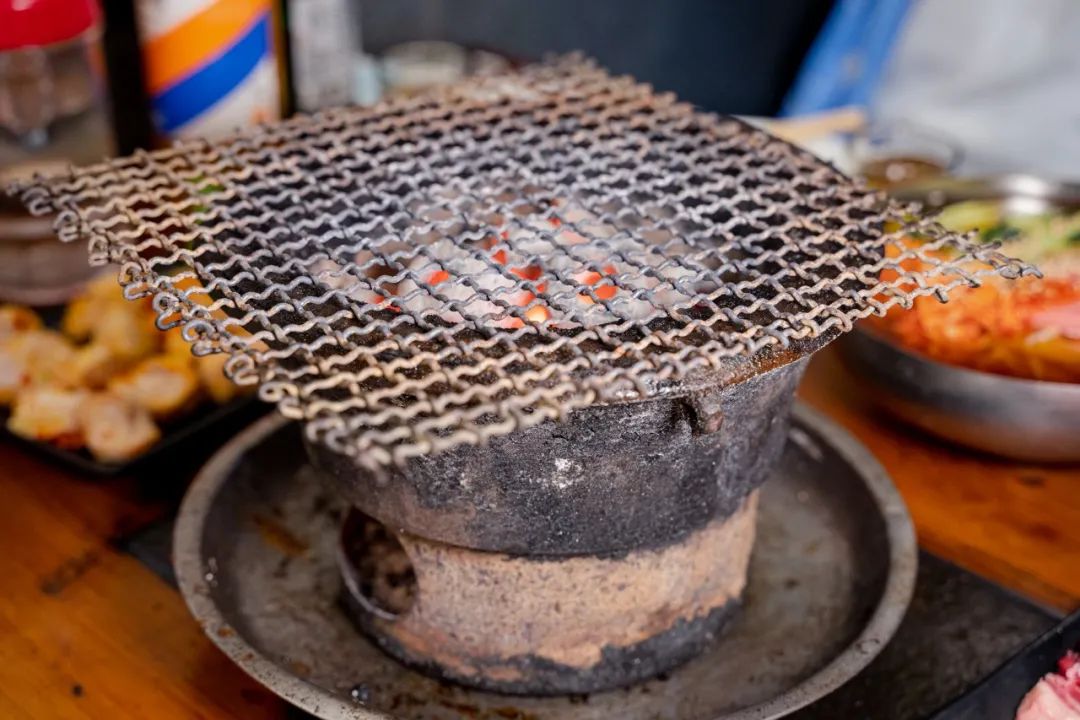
996, 369
177, 439
831, 576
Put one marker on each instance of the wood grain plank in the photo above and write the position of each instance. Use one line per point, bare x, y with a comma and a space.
1016, 523
87, 631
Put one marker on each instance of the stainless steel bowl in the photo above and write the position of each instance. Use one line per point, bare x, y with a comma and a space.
1028, 420
1018, 194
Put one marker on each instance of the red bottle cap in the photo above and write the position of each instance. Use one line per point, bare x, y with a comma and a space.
26, 23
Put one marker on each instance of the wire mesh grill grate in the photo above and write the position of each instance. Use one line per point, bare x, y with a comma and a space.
445, 268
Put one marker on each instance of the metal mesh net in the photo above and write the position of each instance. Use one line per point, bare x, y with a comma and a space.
445, 268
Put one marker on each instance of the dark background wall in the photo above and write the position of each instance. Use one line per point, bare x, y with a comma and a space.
737, 56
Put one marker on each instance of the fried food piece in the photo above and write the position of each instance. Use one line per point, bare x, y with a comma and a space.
13, 376
127, 330
114, 429
48, 414
80, 316
92, 365
175, 344
84, 313
34, 357
15, 319
164, 385
211, 369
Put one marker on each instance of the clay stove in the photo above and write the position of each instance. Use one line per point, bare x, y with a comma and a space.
543, 331
572, 556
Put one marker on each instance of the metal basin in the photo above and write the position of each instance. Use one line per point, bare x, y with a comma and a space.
830, 577
1029, 420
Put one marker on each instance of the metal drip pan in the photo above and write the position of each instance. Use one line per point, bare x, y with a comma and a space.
830, 578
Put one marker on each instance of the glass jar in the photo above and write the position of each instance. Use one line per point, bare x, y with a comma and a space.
53, 113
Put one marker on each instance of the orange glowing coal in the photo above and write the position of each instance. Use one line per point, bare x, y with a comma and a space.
590, 278
599, 283
532, 273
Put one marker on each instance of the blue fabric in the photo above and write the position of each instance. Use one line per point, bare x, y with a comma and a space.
846, 61
208, 85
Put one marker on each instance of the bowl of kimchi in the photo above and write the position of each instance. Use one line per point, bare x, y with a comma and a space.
997, 367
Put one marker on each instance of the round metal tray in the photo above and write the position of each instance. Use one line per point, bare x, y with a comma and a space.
1027, 420
830, 579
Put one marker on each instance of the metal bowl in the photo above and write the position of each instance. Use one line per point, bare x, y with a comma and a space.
1019, 194
35, 267
1030, 420
1027, 420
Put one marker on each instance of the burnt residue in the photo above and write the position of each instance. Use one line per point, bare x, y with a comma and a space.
607, 479
618, 667
383, 570
68, 572
476, 606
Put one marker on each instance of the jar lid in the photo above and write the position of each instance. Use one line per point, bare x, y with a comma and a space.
28, 23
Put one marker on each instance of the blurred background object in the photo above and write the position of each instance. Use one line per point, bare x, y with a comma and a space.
323, 51
996, 79
52, 112
846, 61
1002, 77
901, 154
209, 65
737, 56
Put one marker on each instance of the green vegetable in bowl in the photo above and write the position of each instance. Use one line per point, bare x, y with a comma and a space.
1033, 237
981, 215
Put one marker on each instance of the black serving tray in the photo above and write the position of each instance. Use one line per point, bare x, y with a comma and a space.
998, 696
178, 438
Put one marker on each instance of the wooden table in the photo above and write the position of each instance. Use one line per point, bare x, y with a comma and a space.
88, 632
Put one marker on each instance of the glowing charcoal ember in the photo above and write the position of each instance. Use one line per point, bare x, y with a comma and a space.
602, 291
459, 286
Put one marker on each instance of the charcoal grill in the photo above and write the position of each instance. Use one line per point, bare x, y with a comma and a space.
534, 324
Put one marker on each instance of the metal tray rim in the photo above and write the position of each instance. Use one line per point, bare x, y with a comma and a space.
879, 628
969, 374
973, 409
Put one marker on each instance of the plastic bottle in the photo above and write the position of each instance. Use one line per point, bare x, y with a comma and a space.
209, 65
53, 113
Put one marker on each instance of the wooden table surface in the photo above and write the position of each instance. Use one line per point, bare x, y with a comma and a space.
88, 632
